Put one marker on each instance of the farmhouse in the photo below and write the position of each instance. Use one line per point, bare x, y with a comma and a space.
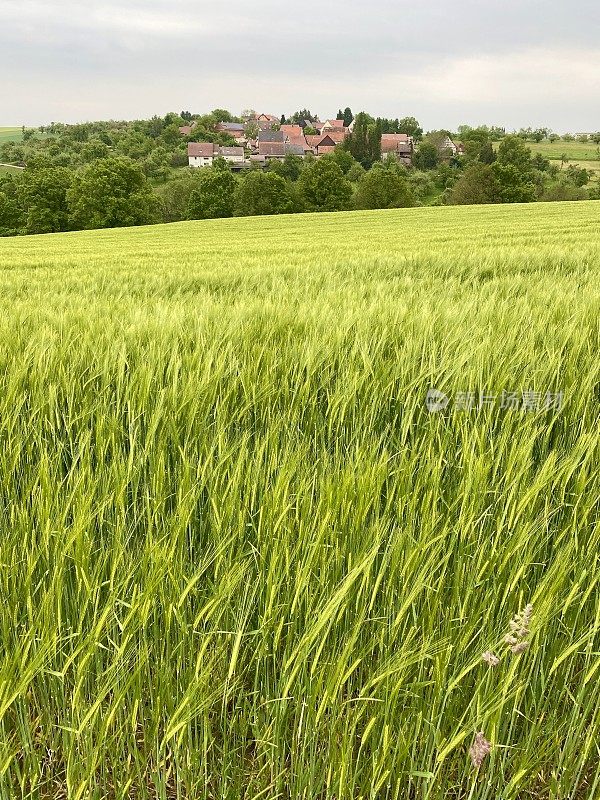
202, 154
397, 144
234, 129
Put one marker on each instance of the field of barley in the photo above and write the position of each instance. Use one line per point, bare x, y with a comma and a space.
242, 558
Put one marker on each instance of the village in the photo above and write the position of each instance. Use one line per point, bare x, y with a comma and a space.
262, 139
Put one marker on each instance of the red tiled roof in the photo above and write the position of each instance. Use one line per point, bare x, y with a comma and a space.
395, 141
293, 131
300, 140
337, 136
201, 149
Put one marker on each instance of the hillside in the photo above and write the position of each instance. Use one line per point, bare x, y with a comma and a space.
240, 557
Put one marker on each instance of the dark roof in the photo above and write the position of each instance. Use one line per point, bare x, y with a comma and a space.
231, 151
231, 126
295, 149
271, 136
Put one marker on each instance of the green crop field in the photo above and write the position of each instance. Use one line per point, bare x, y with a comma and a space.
13, 134
240, 558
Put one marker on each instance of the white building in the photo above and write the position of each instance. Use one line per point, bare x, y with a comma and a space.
203, 154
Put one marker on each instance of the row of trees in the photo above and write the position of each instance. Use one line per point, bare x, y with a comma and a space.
114, 192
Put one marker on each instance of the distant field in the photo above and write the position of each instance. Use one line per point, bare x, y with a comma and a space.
574, 150
240, 558
14, 134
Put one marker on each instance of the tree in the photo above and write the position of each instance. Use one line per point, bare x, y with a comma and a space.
12, 217
364, 143
476, 185
346, 115
513, 151
487, 154
426, 157
290, 168
344, 158
411, 127
111, 193
383, 187
175, 195
260, 193
323, 187
251, 129
515, 186
213, 195
45, 199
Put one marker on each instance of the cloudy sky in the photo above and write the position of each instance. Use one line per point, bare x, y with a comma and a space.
509, 62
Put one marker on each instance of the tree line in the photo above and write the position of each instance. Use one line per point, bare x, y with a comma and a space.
112, 174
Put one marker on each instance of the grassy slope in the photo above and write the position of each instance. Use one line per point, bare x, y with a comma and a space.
14, 134
239, 558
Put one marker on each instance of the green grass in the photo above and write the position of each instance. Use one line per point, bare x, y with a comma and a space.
575, 151
239, 558
14, 134
7, 168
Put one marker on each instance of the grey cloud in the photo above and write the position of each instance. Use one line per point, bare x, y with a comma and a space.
145, 57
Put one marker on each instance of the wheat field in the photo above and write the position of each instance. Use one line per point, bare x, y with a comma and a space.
241, 558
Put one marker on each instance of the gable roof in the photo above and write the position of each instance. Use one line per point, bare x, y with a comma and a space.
271, 136
231, 151
300, 141
201, 149
292, 131
271, 148
236, 127
334, 123
396, 142
295, 149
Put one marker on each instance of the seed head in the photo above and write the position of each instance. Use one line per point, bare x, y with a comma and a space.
479, 750
490, 658
519, 630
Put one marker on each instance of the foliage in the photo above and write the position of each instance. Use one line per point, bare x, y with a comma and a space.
44, 197
260, 193
427, 156
477, 184
364, 143
213, 194
383, 187
323, 187
111, 193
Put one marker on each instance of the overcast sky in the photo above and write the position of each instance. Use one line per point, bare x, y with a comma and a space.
508, 62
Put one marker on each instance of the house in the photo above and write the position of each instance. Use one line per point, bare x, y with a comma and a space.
234, 129
300, 141
271, 136
333, 125
203, 154
447, 145
296, 149
322, 144
398, 144
272, 150
186, 130
292, 131
233, 155
267, 118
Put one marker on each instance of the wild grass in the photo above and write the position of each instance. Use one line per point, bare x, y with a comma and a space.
240, 559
